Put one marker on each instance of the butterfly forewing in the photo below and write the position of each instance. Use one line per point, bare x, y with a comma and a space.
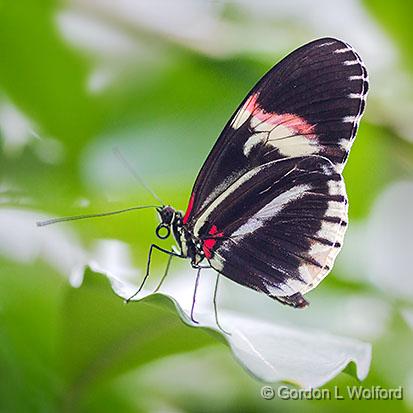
269, 204
310, 103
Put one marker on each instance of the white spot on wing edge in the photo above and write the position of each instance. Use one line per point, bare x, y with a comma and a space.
350, 62
343, 143
349, 119
334, 208
356, 77
355, 96
326, 44
343, 50
336, 187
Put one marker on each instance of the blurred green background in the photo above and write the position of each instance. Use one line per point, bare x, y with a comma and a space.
158, 80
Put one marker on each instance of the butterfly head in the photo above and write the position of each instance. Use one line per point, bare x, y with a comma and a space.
167, 217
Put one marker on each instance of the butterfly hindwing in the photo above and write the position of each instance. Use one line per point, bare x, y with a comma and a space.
279, 228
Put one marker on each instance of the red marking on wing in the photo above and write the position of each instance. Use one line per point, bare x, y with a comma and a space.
189, 209
207, 247
294, 122
214, 231
209, 243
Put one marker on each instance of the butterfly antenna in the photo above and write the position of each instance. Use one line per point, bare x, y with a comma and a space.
85, 216
128, 166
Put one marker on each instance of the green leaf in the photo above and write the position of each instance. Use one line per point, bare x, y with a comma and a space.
102, 337
270, 352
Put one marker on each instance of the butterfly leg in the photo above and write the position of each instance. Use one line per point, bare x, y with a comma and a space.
164, 274
296, 300
148, 264
215, 306
194, 296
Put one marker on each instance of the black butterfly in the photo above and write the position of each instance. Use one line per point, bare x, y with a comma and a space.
269, 208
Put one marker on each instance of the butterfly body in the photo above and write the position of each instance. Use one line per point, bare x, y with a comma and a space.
268, 209
189, 246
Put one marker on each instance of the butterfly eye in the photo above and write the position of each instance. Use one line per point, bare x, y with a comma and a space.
163, 231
